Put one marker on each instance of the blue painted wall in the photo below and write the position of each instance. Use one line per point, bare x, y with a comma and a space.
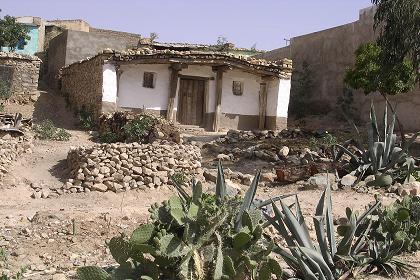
32, 45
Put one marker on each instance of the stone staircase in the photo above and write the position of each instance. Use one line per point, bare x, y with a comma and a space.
190, 129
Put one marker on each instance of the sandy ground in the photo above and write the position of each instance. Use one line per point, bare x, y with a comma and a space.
45, 237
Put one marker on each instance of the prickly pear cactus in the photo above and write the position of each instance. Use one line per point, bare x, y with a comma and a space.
92, 273
199, 236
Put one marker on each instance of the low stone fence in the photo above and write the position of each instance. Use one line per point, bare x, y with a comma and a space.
120, 166
20, 71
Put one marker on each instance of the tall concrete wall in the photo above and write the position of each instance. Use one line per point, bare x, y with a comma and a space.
329, 53
56, 58
72, 46
81, 45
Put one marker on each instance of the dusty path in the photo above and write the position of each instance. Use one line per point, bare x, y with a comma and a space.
54, 236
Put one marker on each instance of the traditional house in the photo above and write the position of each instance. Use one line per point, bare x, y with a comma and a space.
210, 89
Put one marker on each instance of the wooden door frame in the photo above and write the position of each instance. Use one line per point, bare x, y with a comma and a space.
205, 97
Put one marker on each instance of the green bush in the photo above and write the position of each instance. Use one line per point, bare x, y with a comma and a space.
5, 91
324, 142
197, 236
46, 130
139, 129
108, 137
85, 118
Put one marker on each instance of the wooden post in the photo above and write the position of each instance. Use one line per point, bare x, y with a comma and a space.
173, 85
219, 87
262, 105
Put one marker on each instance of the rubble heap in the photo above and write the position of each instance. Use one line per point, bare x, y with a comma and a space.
11, 147
123, 166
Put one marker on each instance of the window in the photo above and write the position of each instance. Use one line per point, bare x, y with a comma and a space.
149, 79
238, 87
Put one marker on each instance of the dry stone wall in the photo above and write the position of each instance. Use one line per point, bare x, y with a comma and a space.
24, 72
120, 166
81, 83
11, 147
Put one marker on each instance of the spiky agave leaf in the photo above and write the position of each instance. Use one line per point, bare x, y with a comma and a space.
220, 183
248, 198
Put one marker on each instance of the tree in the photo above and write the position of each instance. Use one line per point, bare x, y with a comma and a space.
12, 33
371, 75
153, 37
302, 84
398, 23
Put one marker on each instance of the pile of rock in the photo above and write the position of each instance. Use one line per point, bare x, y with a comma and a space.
12, 147
123, 166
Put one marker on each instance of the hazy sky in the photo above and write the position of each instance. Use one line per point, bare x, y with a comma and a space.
244, 22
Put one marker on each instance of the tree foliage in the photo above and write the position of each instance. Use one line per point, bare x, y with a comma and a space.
12, 33
302, 84
398, 23
371, 75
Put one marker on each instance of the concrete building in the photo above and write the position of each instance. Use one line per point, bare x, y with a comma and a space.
329, 53
209, 89
36, 28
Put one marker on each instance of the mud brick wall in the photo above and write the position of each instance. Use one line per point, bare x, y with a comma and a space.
81, 84
21, 71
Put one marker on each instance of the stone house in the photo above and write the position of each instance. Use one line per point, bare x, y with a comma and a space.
209, 89
19, 73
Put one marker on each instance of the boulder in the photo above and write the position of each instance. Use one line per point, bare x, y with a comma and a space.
348, 180
321, 180
99, 187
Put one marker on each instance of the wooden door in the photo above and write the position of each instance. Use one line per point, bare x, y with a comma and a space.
191, 101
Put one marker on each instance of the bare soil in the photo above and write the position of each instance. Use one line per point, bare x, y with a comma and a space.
53, 236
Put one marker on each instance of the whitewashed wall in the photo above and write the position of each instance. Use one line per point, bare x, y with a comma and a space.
248, 102
109, 83
131, 92
283, 98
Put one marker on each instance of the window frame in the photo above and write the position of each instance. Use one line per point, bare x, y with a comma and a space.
153, 82
235, 88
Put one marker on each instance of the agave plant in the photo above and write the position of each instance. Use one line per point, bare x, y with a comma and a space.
383, 155
196, 236
327, 258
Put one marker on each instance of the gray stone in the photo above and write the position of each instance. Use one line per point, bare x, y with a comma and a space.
284, 151
321, 180
348, 180
99, 187
210, 175
45, 192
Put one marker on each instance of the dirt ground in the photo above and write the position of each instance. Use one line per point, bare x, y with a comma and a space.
47, 237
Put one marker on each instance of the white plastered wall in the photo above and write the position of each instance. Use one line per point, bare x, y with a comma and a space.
109, 83
283, 98
132, 94
248, 102
278, 94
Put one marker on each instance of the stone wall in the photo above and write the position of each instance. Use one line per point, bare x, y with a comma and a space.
11, 148
25, 72
120, 166
81, 84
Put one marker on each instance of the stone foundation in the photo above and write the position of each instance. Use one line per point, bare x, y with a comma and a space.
20, 71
